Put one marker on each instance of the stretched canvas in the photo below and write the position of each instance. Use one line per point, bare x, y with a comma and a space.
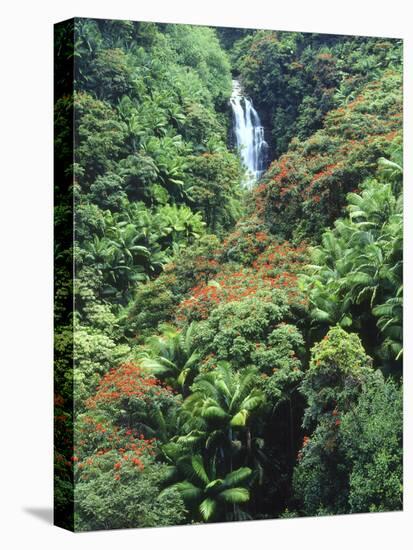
228, 274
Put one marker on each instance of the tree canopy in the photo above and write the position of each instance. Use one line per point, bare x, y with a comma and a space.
231, 353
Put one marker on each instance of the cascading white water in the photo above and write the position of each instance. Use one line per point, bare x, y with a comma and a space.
249, 134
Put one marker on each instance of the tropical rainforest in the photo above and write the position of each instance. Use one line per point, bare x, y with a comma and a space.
225, 351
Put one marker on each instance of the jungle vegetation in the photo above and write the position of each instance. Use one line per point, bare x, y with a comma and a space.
237, 354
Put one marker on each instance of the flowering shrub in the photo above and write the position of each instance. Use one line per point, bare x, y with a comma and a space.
89, 353
124, 383
155, 302
245, 331
249, 239
103, 446
275, 267
134, 399
304, 191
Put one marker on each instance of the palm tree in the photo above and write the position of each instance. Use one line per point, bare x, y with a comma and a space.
211, 497
356, 274
172, 356
330, 264
156, 422
390, 323
393, 169
222, 405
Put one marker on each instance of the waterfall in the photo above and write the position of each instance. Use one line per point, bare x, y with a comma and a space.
249, 134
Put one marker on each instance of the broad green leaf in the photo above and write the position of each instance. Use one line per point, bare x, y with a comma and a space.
207, 508
236, 495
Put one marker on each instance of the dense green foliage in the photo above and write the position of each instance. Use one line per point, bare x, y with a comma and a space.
352, 460
237, 354
296, 79
305, 189
356, 274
